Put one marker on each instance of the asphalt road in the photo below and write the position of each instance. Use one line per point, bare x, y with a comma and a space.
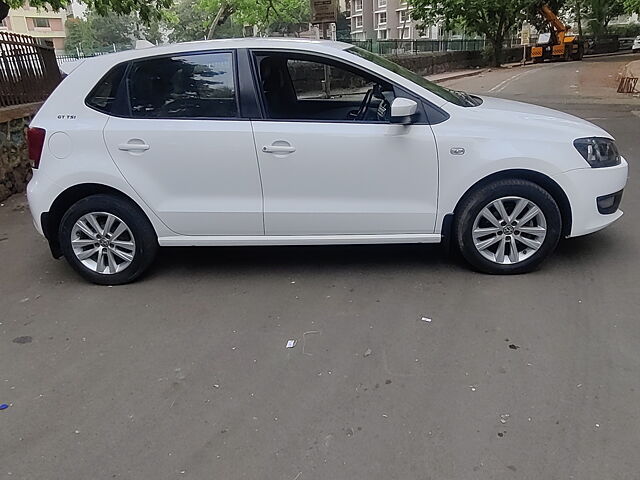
186, 375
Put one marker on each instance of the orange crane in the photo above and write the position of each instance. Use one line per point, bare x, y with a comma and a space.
559, 43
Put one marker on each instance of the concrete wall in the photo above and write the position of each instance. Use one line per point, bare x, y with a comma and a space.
14, 162
439, 62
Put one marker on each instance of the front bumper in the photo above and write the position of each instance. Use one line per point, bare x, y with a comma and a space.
584, 187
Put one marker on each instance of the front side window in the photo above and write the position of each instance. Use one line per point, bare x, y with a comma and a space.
298, 87
185, 86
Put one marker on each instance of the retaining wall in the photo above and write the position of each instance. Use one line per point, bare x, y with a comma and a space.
15, 170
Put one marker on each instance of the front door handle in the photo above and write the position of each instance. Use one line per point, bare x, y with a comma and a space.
133, 147
278, 149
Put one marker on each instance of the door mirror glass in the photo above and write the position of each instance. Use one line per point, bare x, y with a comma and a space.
403, 110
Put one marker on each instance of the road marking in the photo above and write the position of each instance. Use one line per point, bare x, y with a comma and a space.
502, 85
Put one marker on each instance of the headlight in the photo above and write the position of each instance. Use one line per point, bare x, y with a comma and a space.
598, 152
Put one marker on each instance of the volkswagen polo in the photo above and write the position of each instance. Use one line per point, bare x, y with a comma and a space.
296, 142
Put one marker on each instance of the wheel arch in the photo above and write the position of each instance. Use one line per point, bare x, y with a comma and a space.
538, 178
51, 219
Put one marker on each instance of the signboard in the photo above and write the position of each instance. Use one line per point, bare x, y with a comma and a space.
324, 11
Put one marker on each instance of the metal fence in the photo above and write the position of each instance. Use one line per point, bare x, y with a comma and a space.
72, 58
392, 47
28, 70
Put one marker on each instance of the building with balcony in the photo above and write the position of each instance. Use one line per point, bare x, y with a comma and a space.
386, 20
44, 24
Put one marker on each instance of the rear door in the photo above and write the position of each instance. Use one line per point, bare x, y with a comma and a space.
184, 147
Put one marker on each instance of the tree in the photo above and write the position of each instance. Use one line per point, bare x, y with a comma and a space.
601, 12
187, 21
493, 18
290, 18
109, 30
535, 18
267, 15
146, 9
343, 27
102, 32
632, 6
79, 36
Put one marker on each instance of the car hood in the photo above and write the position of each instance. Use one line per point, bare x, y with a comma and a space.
512, 112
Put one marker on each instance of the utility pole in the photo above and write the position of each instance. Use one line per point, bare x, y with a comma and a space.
578, 8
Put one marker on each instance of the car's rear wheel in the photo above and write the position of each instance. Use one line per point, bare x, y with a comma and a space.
508, 227
107, 239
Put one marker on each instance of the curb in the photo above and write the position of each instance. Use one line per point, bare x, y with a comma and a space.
610, 54
455, 76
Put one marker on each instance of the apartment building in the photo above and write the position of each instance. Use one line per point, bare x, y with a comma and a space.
39, 23
385, 20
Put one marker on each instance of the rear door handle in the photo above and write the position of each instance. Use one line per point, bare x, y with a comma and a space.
133, 147
278, 149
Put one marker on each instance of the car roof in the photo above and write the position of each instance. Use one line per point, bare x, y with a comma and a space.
224, 44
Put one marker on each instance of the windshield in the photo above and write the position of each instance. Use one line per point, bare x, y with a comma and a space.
459, 98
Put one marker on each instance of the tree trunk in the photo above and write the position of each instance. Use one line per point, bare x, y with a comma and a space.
4, 10
579, 17
496, 51
216, 21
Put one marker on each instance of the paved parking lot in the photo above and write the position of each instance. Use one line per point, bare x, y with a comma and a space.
185, 374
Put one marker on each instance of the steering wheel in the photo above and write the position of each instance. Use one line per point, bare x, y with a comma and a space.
364, 106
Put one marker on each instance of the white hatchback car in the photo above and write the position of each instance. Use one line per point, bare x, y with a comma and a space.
636, 45
295, 142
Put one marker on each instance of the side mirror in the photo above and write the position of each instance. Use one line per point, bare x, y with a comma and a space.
403, 110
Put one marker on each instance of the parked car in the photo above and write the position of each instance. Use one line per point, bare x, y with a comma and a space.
636, 45
297, 142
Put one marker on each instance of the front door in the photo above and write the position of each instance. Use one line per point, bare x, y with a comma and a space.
184, 148
330, 160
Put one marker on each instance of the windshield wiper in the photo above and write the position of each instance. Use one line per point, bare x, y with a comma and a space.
468, 99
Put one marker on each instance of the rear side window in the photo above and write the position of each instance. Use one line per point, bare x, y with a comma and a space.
103, 96
187, 86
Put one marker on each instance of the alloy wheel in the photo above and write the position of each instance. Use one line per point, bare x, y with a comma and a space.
509, 230
103, 243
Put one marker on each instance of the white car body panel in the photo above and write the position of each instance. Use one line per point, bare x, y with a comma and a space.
502, 135
387, 184
247, 240
369, 179
199, 176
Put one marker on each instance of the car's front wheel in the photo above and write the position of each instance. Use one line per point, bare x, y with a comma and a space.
107, 240
508, 227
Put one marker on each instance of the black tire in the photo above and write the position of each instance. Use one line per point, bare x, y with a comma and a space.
473, 204
144, 236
